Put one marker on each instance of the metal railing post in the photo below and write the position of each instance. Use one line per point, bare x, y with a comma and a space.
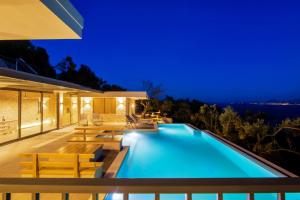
281, 196
157, 196
126, 196
219, 196
65, 196
250, 196
6, 196
189, 196
95, 196
35, 196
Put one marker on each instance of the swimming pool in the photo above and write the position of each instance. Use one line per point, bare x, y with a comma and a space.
178, 151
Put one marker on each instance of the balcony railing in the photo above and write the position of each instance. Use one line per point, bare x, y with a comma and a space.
17, 64
252, 186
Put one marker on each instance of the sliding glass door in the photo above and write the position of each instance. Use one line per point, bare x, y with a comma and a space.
8, 115
49, 111
31, 114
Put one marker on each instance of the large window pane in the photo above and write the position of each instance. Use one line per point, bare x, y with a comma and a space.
74, 109
8, 115
30, 113
65, 110
49, 111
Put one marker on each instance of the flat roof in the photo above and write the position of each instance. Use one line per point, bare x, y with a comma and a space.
12, 79
127, 94
39, 19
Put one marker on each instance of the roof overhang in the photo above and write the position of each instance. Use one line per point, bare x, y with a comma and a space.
12, 79
127, 94
39, 19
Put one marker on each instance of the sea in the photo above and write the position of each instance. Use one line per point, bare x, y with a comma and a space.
276, 113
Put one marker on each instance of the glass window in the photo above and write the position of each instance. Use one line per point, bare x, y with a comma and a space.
65, 110
30, 113
49, 111
74, 109
8, 115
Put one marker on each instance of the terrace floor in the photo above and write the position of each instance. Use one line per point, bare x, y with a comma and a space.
10, 154
48, 142
44, 143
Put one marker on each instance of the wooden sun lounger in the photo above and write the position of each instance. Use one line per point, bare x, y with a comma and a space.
85, 131
95, 150
59, 165
94, 133
100, 128
108, 143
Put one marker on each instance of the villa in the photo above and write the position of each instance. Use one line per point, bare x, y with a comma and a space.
60, 140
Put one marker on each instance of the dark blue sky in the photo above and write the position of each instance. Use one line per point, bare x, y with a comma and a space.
216, 50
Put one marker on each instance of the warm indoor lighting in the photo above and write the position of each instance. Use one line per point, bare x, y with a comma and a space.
45, 102
120, 100
117, 196
30, 125
121, 107
61, 98
74, 102
87, 100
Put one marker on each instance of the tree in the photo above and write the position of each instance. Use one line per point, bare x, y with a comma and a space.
36, 57
208, 115
167, 106
113, 87
258, 131
67, 69
89, 79
183, 113
290, 123
229, 121
286, 137
154, 92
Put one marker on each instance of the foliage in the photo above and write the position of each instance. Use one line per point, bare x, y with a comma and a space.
290, 123
167, 106
230, 123
66, 69
258, 131
36, 57
207, 117
182, 114
154, 92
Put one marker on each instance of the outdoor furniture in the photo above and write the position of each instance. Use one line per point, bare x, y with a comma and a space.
97, 120
83, 121
138, 124
94, 150
99, 130
59, 165
130, 122
149, 121
108, 143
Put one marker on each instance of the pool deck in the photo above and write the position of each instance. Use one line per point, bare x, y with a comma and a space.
48, 142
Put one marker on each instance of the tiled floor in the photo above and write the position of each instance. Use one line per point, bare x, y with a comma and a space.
48, 142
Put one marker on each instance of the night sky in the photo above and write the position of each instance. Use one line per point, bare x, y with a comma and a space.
213, 50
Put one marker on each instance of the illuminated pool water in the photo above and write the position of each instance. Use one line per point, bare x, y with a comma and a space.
178, 151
